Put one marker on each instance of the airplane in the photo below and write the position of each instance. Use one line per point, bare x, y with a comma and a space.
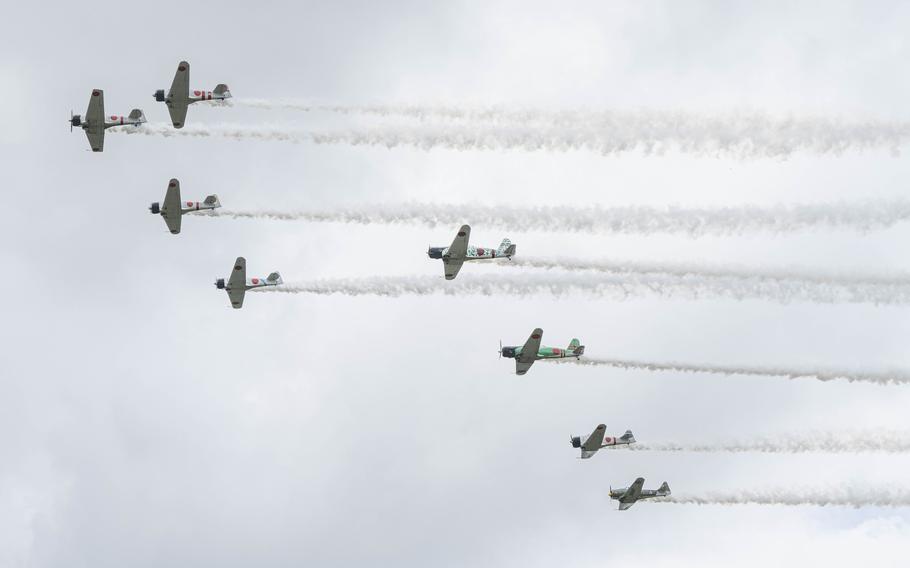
454, 255
597, 441
628, 496
179, 98
173, 209
95, 122
238, 284
532, 351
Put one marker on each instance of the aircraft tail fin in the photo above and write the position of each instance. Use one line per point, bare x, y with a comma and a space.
576, 348
274, 278
506, 248
222, 89
212, 200
137, 114
627, 437
664, 488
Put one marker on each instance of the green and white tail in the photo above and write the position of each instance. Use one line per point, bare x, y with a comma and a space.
576, 347
506, 248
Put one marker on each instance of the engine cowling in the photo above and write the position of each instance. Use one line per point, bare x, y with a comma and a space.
159, 95
155, 208
76, 120
576, 441
219, 283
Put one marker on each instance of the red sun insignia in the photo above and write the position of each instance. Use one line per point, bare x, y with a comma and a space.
96, 93
255, 281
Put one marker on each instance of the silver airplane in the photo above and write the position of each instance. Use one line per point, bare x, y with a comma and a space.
173, 209
95, 122
628, 496
597, 441
454, 255
238, 284
178, 98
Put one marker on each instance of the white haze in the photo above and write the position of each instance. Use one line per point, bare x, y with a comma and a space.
859, 216
856, 497
731, 135
837, 442
616, 286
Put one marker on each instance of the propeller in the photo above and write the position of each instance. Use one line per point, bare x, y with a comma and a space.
500, 355
71, 120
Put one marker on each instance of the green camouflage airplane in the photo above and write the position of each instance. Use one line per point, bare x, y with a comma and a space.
532, 351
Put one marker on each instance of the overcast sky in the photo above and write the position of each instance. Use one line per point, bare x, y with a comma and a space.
145, 423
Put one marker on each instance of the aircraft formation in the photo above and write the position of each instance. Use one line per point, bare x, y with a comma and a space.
178, 99
173, 208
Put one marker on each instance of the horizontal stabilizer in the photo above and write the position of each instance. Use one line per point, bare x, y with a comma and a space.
137, 114
274, 278
222, 89
212, 200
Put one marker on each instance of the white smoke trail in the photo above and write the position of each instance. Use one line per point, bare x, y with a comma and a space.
744, 137
613, 286
754, 125
855, 285
877, 377
855, 497
863, 441
279, 104
632, 220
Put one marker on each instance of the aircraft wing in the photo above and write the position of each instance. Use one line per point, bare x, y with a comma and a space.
633, 493
236, 297
454, 257
625, 505
521, 367
532, 346
459, 246
237, 283
172, 209
94, 117
178, 96
451, 267
595, 440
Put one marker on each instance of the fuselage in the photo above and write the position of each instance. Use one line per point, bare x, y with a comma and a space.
473, 253
611, 441
109, 122
618, 494
253, 283
196, 96
191, 206
513, 352
114, 120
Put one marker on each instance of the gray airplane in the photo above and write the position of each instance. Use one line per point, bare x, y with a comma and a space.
628, 496
95, 122
179, 97
173, 209
454, 255
238, 284
597, 441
